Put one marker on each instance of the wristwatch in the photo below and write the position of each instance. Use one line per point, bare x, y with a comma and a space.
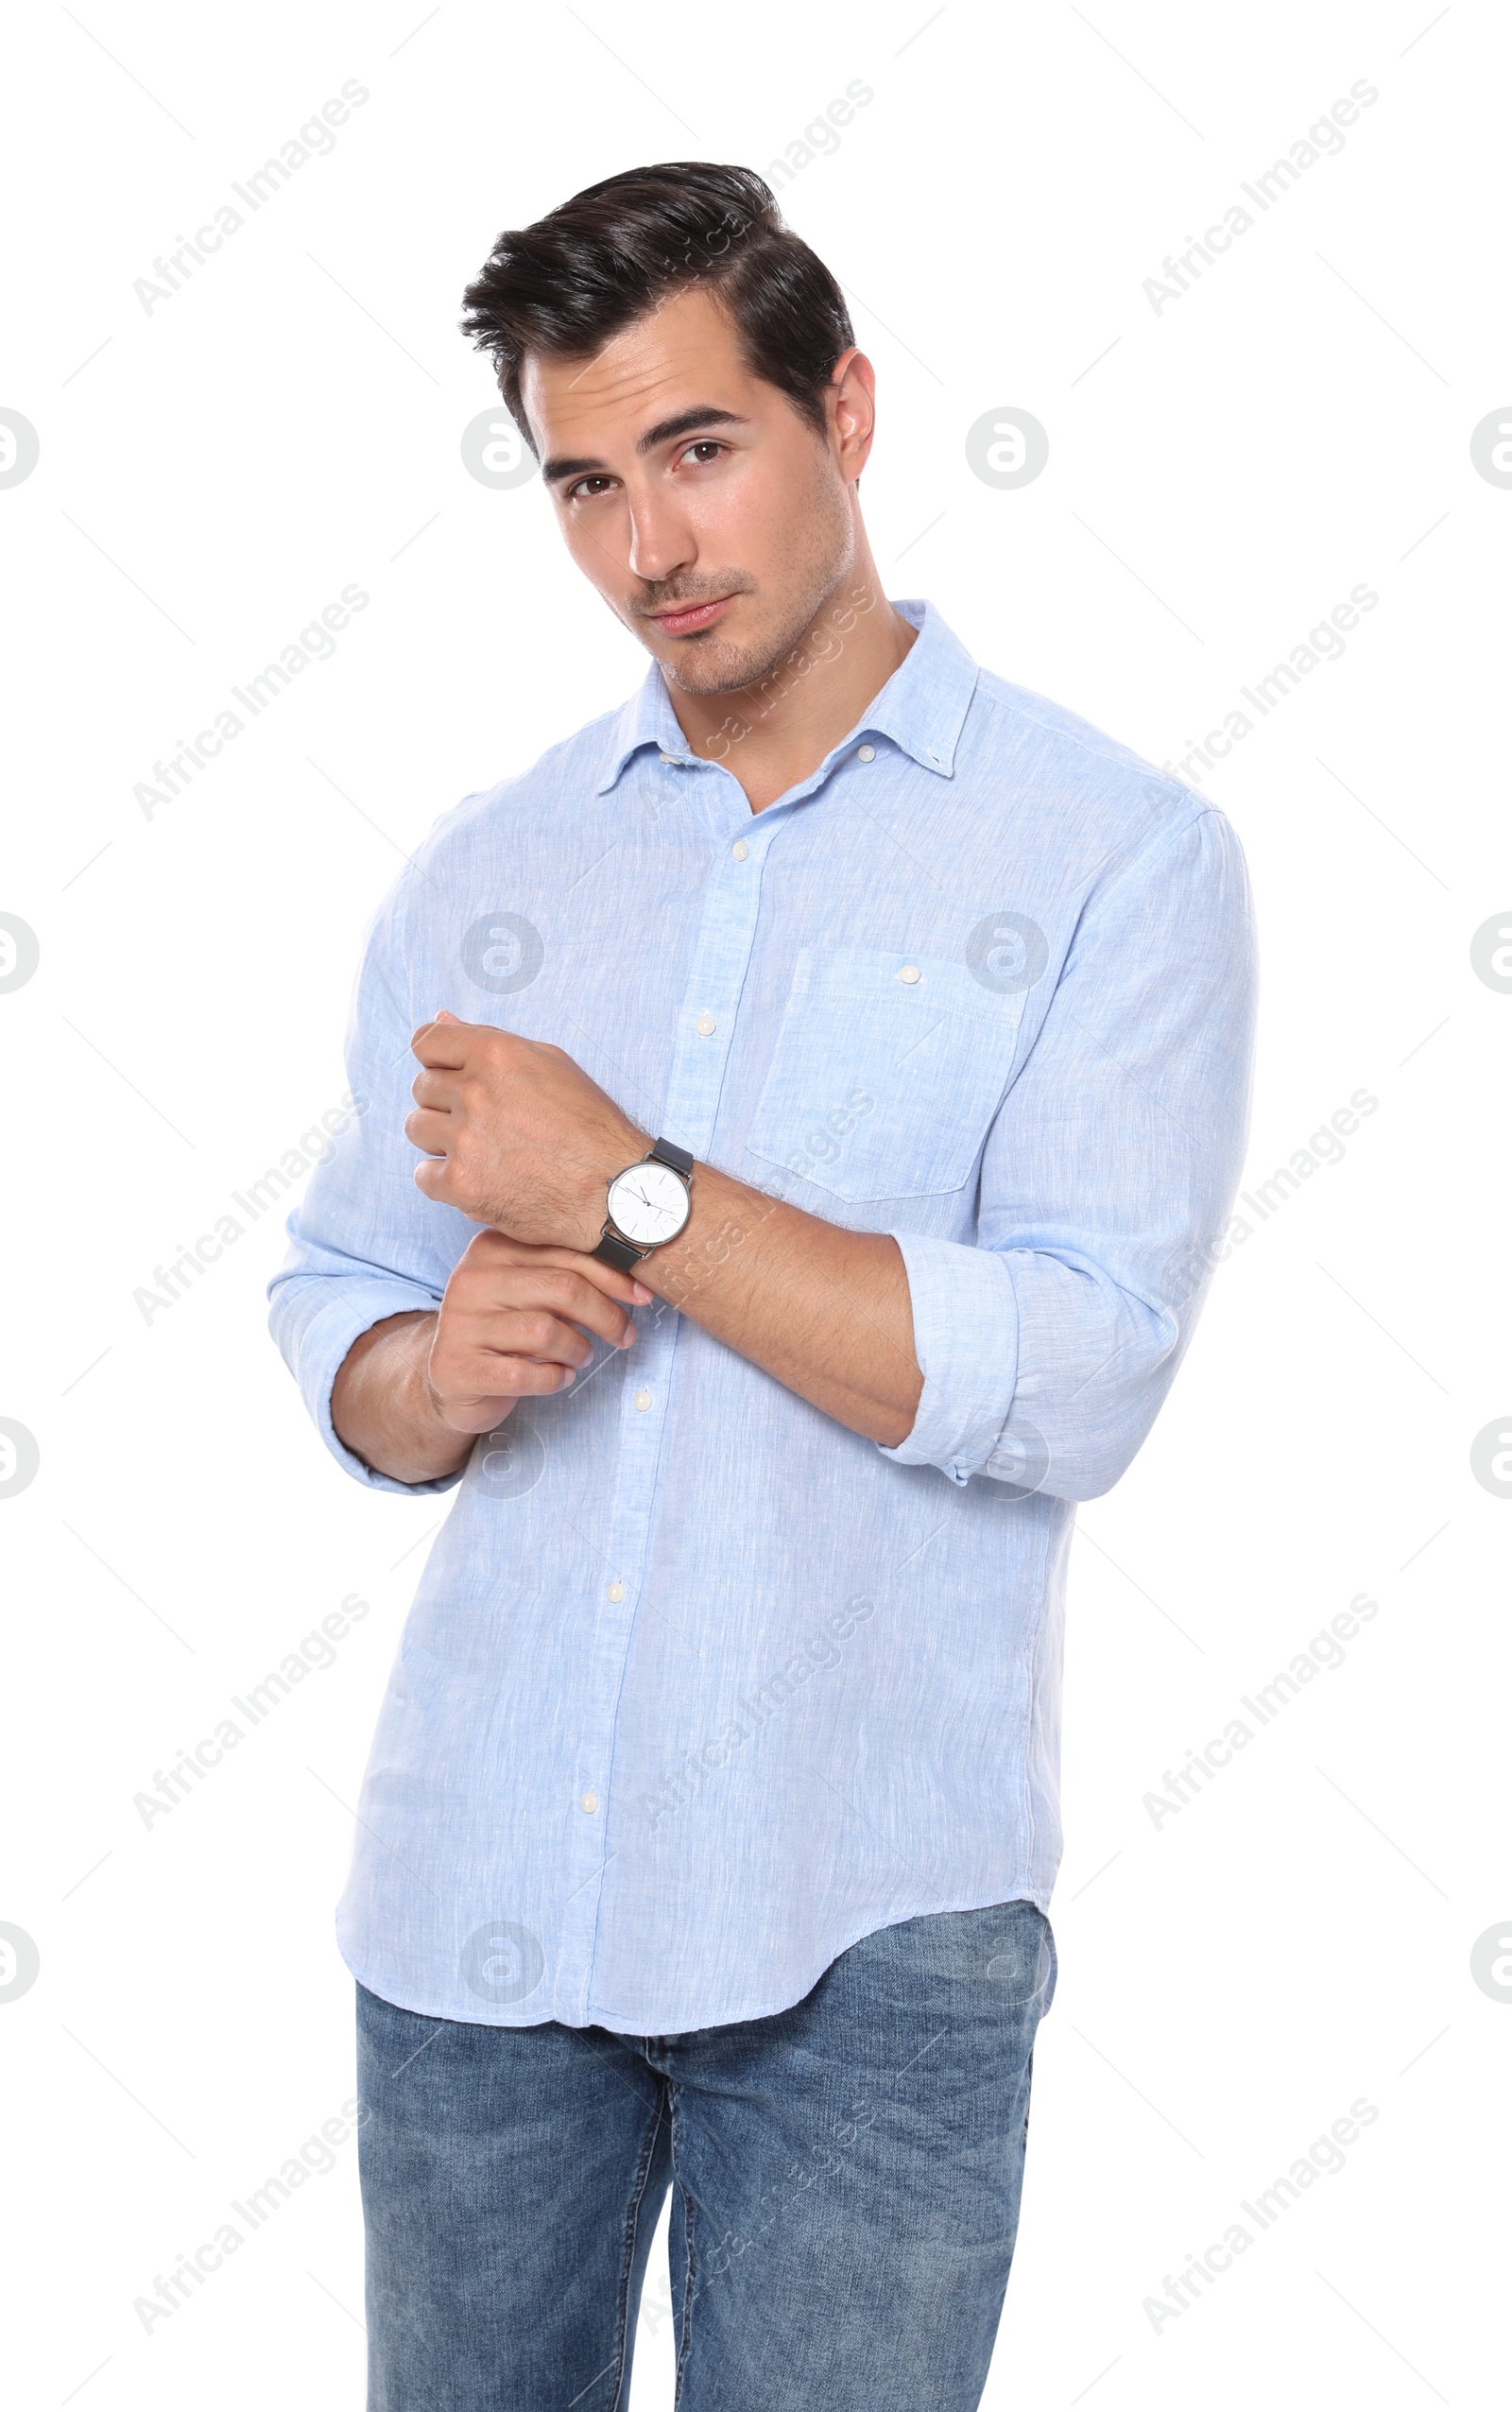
648, 1204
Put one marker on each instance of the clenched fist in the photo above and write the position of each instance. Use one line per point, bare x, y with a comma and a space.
515, 1133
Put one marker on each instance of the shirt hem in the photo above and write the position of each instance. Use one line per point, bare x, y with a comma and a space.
1036, 1892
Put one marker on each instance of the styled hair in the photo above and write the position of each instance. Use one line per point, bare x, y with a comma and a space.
579, 276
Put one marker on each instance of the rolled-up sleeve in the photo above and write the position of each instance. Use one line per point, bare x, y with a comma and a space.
364, 1243
1107, 1183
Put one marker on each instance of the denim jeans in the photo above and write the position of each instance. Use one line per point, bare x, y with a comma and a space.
846, 2178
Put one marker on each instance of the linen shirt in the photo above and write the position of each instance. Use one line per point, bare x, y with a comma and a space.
698, 1687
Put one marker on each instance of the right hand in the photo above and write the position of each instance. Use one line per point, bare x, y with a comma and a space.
508, 1326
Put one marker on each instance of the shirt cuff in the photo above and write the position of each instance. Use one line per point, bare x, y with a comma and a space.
966, 1339
315, 1334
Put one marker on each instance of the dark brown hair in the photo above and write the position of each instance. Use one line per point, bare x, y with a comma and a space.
584, 272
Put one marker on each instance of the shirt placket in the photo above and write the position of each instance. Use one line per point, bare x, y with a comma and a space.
705, 1032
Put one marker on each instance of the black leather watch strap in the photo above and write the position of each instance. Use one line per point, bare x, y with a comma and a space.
613, 1251
668, 1152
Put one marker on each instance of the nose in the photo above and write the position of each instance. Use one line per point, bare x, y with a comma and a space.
661, 542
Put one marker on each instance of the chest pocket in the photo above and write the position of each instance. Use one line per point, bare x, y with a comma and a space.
886, 1074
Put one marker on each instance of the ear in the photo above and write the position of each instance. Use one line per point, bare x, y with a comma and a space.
851, 407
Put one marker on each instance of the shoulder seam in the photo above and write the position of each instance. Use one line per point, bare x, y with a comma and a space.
1110, 751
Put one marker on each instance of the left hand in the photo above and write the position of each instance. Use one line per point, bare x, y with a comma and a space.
515, 1133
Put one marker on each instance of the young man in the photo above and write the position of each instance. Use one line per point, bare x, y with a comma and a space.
867, 1041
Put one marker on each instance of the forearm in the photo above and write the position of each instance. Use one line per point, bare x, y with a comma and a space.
517, 1137
826, 1312
384, 1408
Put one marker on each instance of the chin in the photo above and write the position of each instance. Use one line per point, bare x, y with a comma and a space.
703, 669
712, 665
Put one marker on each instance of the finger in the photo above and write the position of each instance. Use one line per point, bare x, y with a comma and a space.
491, 1281
500, 1246
491, 1310
480, 1411
441, 1044
606, 1279
430, 1131
483, 1351
472, 1415
435, 1089
573, 1300
432, 1179
533, 1380
613, 1283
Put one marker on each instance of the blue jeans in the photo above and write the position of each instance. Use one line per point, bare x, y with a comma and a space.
846, 2180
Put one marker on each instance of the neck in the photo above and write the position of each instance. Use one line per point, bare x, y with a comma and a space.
773, 733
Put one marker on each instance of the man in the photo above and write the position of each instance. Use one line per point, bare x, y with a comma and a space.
832, 1081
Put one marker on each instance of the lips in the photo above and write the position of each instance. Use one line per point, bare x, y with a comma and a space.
693, 617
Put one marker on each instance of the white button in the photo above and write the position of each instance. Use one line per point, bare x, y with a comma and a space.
909, 972
671, 760
590, 1802
642, 1400
616, 1591
866, 753
739, 849
705, 1025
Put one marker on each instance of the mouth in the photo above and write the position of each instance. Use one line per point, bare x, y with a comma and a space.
689, 619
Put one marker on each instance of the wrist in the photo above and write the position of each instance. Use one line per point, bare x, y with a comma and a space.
625, 1148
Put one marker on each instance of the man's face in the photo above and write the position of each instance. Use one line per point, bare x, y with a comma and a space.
714, 520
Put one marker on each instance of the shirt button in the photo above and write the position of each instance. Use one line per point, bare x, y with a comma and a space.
866, 753
642, 1400
590, 1802
909, 972
739, 849
616, 1591
705, 1025
671, 760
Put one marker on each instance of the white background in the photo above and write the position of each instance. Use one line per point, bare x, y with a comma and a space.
210, 474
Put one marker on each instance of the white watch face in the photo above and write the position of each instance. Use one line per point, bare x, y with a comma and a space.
649, 1203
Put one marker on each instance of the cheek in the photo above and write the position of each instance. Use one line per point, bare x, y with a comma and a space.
780, 523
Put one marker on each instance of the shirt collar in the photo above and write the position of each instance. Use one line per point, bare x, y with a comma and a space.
922, 708
645, 720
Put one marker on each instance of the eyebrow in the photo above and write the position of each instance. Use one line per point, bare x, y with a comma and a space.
687, 422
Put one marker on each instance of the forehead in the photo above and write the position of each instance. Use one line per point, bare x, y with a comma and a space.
684, 352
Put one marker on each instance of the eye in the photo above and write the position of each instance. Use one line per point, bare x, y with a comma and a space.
588, 487
705, 449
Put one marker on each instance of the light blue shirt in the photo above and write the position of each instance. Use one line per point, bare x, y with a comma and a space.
699, 1687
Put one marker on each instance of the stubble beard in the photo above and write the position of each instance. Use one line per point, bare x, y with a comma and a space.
714, 666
